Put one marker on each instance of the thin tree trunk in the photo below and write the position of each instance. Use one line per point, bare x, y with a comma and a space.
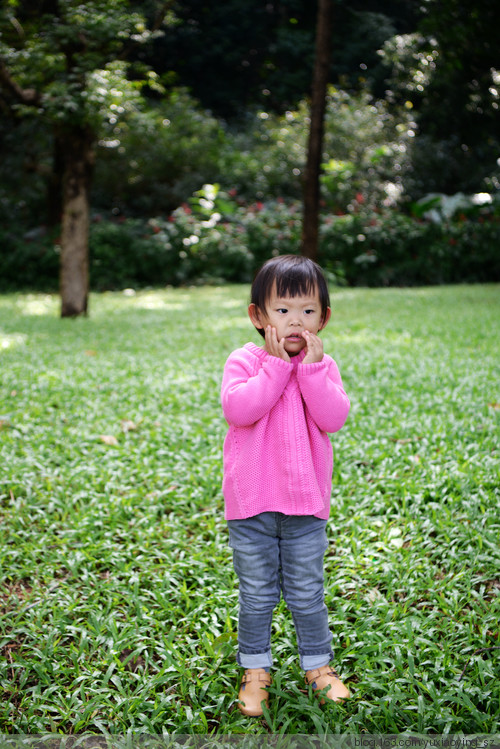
78, 154
311, 194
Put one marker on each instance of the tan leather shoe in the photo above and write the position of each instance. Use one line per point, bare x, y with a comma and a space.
320, 678
253, 691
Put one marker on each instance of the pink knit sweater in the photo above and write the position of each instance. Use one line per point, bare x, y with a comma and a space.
277, 453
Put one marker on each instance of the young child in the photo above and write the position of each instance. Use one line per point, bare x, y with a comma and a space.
280, 401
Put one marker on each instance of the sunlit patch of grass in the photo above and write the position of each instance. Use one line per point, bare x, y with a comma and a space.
118, 601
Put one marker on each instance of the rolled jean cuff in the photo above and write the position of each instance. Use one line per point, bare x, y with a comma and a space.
311, 662
255, 660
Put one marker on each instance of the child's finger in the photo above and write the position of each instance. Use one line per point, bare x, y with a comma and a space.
272, 341
269, 336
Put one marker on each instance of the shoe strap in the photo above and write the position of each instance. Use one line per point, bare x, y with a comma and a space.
249, 676
311, 676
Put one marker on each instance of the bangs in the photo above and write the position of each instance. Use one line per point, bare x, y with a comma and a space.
295, 283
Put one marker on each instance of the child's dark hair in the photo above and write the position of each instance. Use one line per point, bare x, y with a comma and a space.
293, 275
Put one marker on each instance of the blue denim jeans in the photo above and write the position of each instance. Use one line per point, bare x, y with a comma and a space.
276, 554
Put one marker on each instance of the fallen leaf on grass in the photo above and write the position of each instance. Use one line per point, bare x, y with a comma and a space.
108, 439
128, 426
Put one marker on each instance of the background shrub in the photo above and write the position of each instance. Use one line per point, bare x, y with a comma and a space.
28, 261
152, 161
395, 249
216, 237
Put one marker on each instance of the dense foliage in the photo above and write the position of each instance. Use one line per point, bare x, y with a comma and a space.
233, 56
217, 237
414, 112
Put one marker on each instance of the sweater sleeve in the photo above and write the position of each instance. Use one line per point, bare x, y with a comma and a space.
247, 395
324, 395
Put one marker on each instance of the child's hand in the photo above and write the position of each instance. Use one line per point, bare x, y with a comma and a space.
314, 348
273, 346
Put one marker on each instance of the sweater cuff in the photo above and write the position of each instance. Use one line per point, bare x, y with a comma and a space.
311, 367
278, 363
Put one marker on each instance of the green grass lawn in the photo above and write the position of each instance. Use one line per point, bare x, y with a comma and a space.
118, 600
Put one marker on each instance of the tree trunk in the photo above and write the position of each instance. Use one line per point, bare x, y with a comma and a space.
311, 194
78, 154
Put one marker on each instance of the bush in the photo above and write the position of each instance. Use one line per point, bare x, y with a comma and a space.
122, 254
264, 159
28, 261
379, 249
153, 160
395, 249
194, 244
364, 152
216, 237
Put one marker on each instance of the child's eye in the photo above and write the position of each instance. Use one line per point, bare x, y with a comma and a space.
309, 311
282, 310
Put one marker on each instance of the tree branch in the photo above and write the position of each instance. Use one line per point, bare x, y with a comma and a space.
28, 96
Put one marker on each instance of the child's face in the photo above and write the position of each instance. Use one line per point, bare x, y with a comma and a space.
290, 316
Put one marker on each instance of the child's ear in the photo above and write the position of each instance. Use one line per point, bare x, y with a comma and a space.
255, 316
324, 321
